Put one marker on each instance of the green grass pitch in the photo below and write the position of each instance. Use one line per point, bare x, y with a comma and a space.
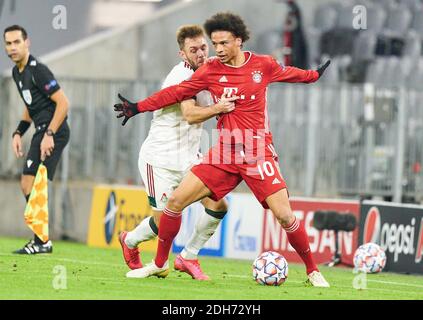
93, 273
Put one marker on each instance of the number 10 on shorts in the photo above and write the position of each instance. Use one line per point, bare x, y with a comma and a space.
266, 168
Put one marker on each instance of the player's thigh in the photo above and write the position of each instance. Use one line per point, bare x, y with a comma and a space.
33, 160
159, 183
278, 203
27, 181
190, 190
219, 179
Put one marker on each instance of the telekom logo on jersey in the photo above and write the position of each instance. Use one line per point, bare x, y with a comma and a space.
231, 91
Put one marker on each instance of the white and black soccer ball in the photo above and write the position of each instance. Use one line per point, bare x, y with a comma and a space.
369, 258
270, 269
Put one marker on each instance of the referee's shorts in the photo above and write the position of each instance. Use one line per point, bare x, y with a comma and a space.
33, 160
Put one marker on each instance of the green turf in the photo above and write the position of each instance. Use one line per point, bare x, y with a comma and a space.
100, 274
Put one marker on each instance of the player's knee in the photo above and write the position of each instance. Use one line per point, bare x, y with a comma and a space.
26, 186
222, 206
174, 203
284, 215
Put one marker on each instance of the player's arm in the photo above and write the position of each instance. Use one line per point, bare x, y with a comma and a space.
62, 106
280, 73
48, 85
196, 114
23, 126
163, 98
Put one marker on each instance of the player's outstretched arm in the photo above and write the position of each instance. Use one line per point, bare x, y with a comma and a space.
321, 69
125, 109
280, 73
162, 98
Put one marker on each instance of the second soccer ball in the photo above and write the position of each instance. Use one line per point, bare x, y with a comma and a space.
369, 258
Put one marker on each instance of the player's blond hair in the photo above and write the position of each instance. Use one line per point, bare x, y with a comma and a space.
188, 31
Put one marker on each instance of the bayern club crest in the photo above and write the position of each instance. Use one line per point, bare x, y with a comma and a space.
257, 76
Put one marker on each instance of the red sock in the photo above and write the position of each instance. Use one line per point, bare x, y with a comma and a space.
298, 239
170, 222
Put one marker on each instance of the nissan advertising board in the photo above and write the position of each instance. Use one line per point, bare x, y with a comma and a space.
322, 243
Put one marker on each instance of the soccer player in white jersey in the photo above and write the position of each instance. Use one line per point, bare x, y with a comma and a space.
169, 152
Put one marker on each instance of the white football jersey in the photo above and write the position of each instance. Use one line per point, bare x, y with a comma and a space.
172, 143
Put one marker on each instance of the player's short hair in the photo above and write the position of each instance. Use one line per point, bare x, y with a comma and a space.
227, 21
188, 31
16, 27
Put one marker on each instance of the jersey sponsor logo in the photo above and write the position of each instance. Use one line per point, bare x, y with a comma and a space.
50, 85
29, 163
257, 76
26, 94
229, 92
33, 63
276, 181
223, 79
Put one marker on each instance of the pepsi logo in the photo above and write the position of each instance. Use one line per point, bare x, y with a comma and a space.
372, 226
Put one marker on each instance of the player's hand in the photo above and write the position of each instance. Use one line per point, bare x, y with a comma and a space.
321, 69
225, 104
47, 146
17, 145
127, 109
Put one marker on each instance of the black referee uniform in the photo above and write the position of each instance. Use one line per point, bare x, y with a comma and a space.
36, 83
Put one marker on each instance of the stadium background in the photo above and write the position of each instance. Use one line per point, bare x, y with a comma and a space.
357, 134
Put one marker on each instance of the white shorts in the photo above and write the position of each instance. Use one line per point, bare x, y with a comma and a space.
159, 183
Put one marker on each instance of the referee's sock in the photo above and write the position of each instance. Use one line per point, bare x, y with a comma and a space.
38, 240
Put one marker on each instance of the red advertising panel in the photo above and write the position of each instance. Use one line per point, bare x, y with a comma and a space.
322, 243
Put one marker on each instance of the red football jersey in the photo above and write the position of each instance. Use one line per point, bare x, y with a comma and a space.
249, 81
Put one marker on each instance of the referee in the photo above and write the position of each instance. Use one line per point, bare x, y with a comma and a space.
46, 105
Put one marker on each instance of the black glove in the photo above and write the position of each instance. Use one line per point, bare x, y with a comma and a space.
322, 68
127, 109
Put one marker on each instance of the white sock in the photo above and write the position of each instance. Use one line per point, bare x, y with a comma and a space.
142, 232
204, 228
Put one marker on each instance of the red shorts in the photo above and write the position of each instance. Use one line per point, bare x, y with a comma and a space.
263, 176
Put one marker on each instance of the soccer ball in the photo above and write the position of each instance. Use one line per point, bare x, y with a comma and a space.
270, 269
369, 258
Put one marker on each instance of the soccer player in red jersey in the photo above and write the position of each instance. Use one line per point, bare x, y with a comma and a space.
244, 151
